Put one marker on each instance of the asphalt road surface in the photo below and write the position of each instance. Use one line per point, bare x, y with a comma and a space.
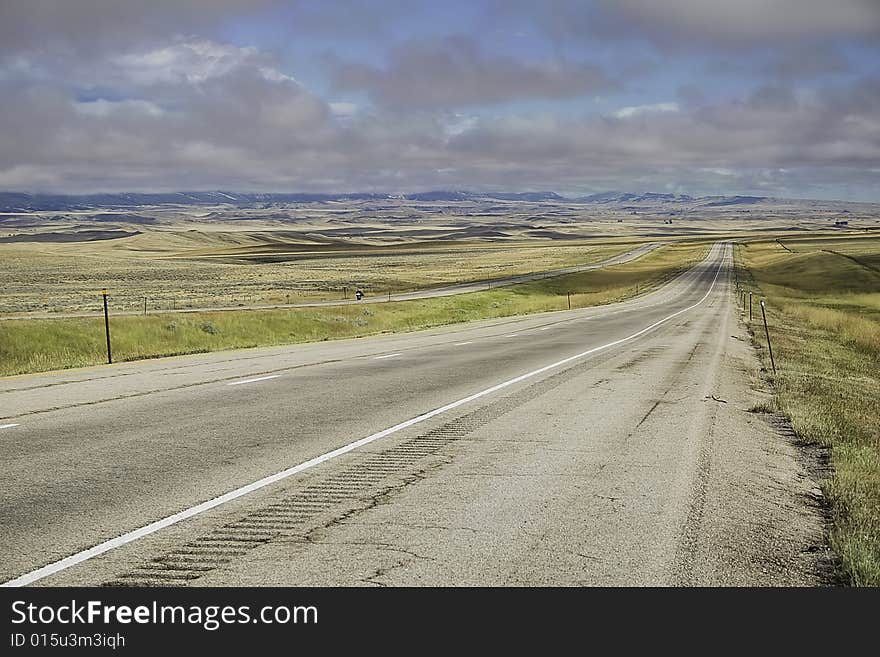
601, 446
427, 293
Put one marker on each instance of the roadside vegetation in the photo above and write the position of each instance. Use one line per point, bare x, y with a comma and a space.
823, 303
41, 345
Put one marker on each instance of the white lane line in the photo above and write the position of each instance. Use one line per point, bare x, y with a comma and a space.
8, 426
106, 546
512, 335
461, 344
259, 378
545, 328
386, 356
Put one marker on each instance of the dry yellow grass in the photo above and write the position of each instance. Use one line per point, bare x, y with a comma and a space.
37, 345
204, 270
824, 315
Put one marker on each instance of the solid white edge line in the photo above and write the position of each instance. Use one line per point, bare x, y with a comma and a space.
8, 426
461, 344
259, 378
387, 356
106, 546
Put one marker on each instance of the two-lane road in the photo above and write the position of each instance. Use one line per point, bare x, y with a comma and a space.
572, 447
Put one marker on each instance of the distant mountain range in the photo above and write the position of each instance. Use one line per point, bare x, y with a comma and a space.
19, 201
22, 202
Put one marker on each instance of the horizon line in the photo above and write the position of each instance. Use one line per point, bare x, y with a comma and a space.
392, 195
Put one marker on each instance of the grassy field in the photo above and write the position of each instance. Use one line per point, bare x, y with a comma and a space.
40, 345
823, 298
189, 269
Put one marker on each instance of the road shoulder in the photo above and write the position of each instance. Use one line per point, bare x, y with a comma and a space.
762, 520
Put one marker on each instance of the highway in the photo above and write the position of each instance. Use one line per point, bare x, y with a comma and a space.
427, 293
600, 446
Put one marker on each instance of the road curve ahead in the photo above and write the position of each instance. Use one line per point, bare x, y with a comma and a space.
427, 293
597, 446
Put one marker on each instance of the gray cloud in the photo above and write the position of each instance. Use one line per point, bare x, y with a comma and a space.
749, 21
213, 115
808, 62
93, 25
103, 95
683, 25
455, 72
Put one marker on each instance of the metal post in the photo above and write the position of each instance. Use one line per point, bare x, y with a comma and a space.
767, 333
569, 300
107, 328
145, 305
750, 306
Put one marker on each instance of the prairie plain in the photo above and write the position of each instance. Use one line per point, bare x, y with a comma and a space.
185, 256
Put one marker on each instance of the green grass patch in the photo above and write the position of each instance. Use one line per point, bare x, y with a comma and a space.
825, 326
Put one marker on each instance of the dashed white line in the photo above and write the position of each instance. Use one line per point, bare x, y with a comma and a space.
545, 328
8, 426
106, 546
386, 356
259, 378
461, 344
511, 335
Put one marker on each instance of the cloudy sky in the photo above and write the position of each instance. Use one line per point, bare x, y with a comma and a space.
771, 97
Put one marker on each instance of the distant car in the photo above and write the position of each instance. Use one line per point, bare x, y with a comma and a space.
359, 295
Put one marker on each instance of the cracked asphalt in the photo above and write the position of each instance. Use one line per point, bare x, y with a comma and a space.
637, 463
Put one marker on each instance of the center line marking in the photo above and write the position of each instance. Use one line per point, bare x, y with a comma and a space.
259, 378
386, 356
461, 344
106, 546
8, 426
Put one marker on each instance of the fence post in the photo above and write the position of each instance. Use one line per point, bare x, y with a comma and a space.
750, 306
568, 294
767, 333
145, 305
107, 327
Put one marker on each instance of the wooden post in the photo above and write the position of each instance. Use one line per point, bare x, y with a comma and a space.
107, 328
767, 333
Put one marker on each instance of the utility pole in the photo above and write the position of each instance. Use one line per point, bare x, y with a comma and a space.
107, 328
767, 333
